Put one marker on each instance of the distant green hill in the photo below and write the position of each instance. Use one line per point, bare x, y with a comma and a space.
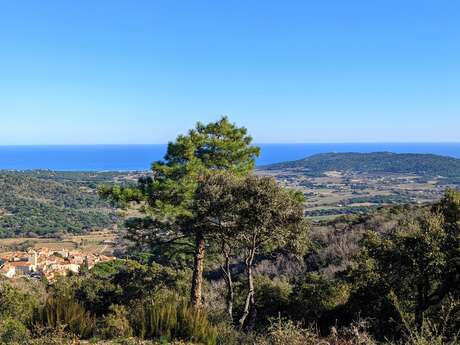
377, 162
45, 203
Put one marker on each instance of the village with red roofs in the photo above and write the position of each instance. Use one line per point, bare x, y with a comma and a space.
47, 263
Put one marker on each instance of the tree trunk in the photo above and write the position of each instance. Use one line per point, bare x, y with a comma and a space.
229, 282
419, 307
197, 278
250, 299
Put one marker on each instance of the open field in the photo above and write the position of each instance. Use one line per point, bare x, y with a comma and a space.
101, 242
335, 193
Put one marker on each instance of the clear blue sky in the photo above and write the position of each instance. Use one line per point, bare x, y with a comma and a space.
89, 72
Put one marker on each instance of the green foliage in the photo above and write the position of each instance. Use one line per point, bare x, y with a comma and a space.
169, 317
252, 210
43, 203
16, 303
248, 216
436, 331
272, 297
283, 332
449, 206
382, 162
407, 273
13, 331
116, 323
206, 148
120, 195
401, 281
168, 196
64, 311
148, 243
317, 300
271, 216
122, 281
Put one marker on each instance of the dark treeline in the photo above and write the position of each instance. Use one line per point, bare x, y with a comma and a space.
220, 255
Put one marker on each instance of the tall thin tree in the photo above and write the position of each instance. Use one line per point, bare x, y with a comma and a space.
168, 195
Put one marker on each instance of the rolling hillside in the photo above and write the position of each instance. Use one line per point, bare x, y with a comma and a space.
46, 203
377, 162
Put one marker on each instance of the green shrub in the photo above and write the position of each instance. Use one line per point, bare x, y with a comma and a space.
440, 331
65, 311
227, 334
282, 332
13, 332
116, 324
272, 297
171, 318
319, 301
16, 303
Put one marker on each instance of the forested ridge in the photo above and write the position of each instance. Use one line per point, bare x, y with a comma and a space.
379, 162
45, 203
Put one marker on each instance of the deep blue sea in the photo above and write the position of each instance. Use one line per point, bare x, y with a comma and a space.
139, 157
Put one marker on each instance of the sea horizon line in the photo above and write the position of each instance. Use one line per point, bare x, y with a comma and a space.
256, 143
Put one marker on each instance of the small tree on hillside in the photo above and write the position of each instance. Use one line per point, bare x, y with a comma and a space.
169, 195
269, 217
217, 208
247, 216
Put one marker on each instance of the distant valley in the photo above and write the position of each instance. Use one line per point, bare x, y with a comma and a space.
344, 183
45, 203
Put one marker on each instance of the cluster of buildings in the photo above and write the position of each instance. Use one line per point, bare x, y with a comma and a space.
48, 263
